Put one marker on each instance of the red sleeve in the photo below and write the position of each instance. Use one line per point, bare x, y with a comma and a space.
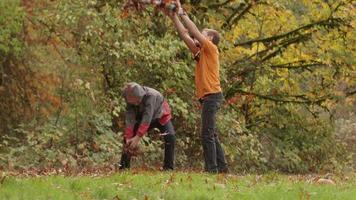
129, 132
166, 113
142, 129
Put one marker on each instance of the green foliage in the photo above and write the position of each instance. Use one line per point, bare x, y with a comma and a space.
295, 140
11, 20
286, 68
11, 50
51, 146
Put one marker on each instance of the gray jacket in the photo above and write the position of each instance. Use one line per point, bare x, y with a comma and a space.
150, 105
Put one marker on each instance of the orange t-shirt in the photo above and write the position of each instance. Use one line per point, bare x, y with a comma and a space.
207, 79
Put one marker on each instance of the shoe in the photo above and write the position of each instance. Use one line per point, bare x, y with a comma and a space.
122, 167
166, 169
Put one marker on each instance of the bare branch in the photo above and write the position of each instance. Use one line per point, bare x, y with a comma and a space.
232, 19
299, 64
334, 22
297, 99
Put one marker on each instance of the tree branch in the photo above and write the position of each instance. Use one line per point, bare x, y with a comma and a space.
327, 22
217, 5
299, 99
285, 44
232, 19
299, 64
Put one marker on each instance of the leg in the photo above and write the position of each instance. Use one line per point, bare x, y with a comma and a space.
213, 152
169, 144
125, 157
220, 156
208, 118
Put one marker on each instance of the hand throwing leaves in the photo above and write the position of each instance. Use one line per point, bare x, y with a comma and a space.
132, 146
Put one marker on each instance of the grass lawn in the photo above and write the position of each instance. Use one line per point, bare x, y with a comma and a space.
177, 185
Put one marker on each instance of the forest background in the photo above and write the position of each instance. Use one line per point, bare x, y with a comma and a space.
287, 72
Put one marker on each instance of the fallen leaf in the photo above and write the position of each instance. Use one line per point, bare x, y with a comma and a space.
219, 185
189, 178
64, 162
326, 181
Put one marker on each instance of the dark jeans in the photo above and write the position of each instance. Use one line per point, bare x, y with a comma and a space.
169, 143
213, 152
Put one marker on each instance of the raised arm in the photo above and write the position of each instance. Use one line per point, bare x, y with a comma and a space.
183, 34
189, 24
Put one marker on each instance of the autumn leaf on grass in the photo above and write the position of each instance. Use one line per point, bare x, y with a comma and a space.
189, 178
221, 178
116, 198
130, 62
219, 185
169, 181
325, 181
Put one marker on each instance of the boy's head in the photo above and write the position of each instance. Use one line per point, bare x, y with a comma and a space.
212, 35
133, 93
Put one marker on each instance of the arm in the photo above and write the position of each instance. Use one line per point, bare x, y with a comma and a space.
145, 122
183, 34
189, 24
146, 115
130, 120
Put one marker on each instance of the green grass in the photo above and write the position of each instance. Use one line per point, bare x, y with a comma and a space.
179, 185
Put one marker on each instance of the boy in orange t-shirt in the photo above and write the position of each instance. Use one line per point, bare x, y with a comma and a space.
208, 90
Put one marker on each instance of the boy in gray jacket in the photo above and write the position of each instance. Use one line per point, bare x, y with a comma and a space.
146, 109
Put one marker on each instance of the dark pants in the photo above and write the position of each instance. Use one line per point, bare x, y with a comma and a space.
213, 152
169, 143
